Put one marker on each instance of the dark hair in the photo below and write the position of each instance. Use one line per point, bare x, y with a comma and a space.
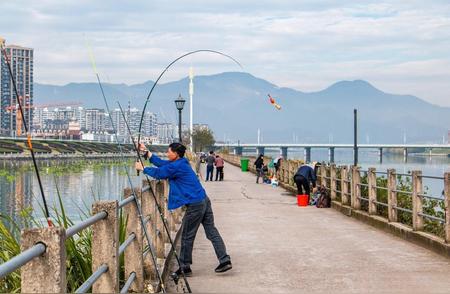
180, 149
211, 152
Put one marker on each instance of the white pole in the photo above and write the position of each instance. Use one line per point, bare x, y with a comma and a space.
191, 96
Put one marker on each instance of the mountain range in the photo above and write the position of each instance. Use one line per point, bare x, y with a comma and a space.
235, 105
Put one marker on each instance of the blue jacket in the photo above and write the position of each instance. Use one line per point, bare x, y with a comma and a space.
185, 188
308, 173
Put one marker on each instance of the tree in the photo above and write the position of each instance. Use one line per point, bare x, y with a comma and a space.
203, 138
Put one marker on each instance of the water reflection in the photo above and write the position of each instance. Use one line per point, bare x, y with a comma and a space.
78, 187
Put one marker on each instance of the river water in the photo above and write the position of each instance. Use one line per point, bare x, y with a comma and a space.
79, 186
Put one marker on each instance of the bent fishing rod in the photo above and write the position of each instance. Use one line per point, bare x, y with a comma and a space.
165, 70
138, 207
28, 132
160, 211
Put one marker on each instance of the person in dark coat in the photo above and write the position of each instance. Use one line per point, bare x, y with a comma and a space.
210, 160
305, 174
259, 164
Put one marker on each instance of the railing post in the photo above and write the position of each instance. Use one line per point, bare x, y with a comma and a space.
290, 180
333, 184
392, 195
344, 186
356, 188
105, 247
149, 210
133, 254
372, 183
323, 174
47, 273
447, 206
167, 216
417, 200
160, 238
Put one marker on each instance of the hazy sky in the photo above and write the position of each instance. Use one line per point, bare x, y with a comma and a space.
307, 45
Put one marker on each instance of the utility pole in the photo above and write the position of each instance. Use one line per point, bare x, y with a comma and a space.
355, 137
191, 110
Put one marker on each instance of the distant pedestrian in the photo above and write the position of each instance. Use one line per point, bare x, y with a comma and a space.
210, 160
305, 174
219, 163
277, 164
259, 164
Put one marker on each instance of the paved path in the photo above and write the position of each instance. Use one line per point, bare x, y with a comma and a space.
278, 247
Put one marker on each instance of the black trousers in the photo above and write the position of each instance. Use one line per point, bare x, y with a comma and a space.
219, 173
301, 183
196, 214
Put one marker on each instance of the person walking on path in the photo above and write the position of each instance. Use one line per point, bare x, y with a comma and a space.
305, 174
186, 190
259, 164
210, 160
219, 163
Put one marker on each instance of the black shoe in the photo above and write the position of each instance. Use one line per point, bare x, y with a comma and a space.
223, 267
187, 272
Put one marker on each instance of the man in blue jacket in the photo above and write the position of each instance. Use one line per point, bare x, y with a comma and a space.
186, 190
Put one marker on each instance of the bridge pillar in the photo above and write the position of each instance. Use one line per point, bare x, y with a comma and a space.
405, 154
331, 154
238, 150
259, 150
284, 152
307, 154
381, 154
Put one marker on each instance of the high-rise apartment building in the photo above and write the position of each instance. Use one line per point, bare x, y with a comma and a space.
21, 60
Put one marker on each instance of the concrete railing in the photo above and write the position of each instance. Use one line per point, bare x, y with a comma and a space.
43, 258
357, 193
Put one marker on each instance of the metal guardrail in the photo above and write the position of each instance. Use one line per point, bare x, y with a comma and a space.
128, 283
23, 258
431, 177
402, 191
85, 224
126, 201
381, 172
402, 209
432, 217
380, 203
84, 288
381, 188
430, 197
126, 243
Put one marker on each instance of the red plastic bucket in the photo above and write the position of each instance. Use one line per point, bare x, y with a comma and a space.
302, 200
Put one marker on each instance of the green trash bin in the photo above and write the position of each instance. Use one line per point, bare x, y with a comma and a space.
244, 164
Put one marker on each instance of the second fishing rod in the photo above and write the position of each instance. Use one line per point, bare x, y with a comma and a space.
157, 204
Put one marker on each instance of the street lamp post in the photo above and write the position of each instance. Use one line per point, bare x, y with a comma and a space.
179, 103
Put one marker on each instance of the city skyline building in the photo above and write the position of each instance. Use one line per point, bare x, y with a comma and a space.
21, 60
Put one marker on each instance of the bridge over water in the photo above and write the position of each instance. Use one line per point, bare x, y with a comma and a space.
283, 148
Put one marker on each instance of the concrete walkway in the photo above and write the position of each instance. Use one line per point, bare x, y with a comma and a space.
276, 246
